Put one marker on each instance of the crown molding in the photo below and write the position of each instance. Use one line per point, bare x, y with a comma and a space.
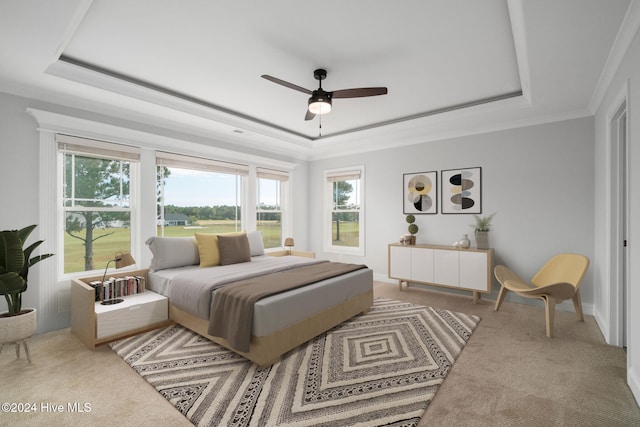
626, 34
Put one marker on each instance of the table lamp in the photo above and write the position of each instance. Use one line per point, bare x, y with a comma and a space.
121, 260
288, 242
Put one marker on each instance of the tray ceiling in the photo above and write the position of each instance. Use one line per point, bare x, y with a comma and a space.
196, 65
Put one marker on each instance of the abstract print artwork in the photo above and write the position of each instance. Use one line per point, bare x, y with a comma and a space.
420, 193
462, 191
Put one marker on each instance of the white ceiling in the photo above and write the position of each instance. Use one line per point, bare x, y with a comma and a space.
451, 67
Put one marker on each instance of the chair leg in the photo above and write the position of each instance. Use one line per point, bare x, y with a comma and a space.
577, 305
550, 312
501, 295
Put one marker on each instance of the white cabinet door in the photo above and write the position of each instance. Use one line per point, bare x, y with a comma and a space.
438, 265
422, 264
473, 270
446, 267
399, 262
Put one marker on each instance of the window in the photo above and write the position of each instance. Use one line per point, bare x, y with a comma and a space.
269, 211
345, 217
98, 201
198, 195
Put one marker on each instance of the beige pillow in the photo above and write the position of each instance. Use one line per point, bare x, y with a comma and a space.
208, 247
234, 249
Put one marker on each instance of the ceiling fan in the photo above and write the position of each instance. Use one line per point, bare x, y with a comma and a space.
320, 101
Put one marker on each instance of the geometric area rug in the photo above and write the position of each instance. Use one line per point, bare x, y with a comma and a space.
379, 368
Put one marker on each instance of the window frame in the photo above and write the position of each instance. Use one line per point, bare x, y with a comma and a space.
49, 124
85, 147
329, 178
282, 177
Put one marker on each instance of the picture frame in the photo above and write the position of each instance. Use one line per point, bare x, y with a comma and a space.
420, 193
461, 191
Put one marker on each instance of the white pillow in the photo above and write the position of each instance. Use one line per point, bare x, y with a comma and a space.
172, 252
256, 245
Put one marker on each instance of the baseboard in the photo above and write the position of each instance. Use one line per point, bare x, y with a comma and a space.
634, 383
511, 297
603, 325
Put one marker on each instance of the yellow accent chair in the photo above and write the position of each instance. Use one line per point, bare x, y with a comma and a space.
556, 281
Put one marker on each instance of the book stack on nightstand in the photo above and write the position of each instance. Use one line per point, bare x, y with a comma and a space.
115, 287
140, 310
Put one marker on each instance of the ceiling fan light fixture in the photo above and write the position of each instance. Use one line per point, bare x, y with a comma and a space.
319, 104
320, 101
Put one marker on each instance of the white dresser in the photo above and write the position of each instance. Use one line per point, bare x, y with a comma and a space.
465, 269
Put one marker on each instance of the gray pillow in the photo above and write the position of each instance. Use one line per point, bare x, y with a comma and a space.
172, 252
234, 249
255, 243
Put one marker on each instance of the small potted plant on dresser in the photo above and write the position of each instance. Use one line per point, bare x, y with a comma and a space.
482, 228
412, 228
17, 324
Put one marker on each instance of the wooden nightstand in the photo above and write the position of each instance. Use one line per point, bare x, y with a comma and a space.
97, 324
286, 252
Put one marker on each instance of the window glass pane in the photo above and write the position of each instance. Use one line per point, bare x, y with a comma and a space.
106, 233
346, 195
269, 213
97, 223
345, 228
268, 194
195, 201
270, 223
91, 182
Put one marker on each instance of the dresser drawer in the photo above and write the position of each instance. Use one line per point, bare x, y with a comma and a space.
136, 311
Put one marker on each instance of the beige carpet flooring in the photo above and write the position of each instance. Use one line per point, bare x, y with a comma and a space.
509, 374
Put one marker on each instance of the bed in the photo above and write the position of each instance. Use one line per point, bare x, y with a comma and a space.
183, 270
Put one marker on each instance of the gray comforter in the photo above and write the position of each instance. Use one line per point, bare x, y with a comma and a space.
232, 310
191, 289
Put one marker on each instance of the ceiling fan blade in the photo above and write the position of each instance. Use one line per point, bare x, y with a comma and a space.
309, 115
286, 84
359, 92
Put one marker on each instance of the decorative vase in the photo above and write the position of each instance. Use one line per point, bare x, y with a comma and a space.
17, 328
465, 242
482, 239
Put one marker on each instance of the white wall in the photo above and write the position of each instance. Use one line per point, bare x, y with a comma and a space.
538, 180
626, 84
19, 178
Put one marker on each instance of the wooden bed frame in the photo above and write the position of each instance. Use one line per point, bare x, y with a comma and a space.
266, 351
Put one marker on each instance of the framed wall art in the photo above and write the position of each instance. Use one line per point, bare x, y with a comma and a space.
420, 193
461, 191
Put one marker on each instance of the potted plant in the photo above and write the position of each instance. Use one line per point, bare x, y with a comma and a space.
413, 228
17, 324
482, 228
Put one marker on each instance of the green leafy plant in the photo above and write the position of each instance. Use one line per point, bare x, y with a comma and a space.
15, 261
413, 228
483, 223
